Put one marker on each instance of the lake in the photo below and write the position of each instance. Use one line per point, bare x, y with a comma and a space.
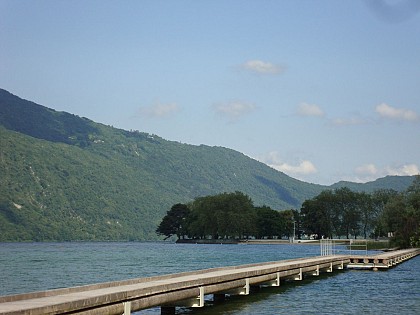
26, 267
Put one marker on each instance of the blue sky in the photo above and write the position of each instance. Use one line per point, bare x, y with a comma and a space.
320, 90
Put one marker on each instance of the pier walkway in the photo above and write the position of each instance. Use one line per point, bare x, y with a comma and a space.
188, 288
381, 261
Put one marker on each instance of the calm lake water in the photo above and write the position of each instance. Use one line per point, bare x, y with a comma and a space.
26, 267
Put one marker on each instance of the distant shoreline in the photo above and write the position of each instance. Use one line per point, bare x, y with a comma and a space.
248, 242
283, 242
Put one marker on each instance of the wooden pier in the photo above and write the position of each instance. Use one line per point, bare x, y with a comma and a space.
186, 289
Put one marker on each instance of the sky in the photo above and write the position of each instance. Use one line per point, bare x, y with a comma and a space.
320, 90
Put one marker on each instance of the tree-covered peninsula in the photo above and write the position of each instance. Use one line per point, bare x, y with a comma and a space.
331, 214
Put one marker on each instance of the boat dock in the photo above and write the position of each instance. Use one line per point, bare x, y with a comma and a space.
381, 261
187, 288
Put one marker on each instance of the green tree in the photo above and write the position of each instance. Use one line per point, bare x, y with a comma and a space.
367, 213
227, 215
174, 222
269, 222
288, 222
379, 199
349, 207
401, 217
316, 215
333, 213
298, 223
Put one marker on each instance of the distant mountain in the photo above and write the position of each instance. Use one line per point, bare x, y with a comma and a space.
398, 183
64, 177
43, 123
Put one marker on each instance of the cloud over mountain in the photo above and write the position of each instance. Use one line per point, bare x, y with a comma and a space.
370, 171
390, 112
301, 167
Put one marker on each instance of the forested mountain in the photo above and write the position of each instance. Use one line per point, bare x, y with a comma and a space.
64, 177
398, 183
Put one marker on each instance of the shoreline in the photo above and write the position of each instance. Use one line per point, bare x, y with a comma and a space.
248, 242
282, 242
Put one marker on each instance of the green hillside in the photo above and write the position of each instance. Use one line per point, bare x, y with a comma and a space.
398, 183
68, 178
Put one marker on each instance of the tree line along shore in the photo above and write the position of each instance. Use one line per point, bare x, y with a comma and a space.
340, 213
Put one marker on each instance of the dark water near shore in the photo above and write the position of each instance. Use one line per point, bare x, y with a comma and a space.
26, 267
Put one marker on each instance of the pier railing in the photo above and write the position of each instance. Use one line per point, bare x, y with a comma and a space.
343, 247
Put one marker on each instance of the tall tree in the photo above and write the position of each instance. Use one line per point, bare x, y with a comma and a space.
316, 216
367, 213
348, 201
227, 215
298, 223
269, 223
174, 222
333, 213
288, 222
379, 199
401, 217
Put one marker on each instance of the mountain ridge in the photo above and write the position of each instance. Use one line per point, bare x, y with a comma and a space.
68, 178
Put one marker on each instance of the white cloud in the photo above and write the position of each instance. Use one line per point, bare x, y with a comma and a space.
159, 110
305, 109
303, 167
388, 111
367, 169
370, 172
403, 170
261, 67
234, 109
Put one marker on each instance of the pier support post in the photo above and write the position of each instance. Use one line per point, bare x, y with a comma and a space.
277, 284
246, 287
299, 275
127, 308
273, 283
330, 269
243, 290
200, 298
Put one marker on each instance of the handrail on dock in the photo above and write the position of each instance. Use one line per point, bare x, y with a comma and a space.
343, 247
